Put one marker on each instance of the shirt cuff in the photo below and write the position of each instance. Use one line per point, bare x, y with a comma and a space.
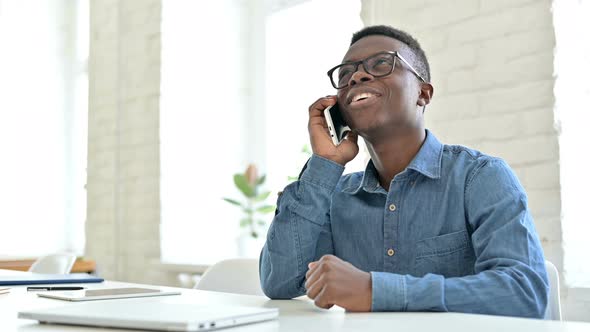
323, 172
389, 292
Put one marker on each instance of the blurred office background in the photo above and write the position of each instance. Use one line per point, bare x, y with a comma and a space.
122, 122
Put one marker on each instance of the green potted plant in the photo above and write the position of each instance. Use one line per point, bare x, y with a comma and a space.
253, 205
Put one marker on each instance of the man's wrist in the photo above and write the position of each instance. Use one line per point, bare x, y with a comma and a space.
369, 294
322, 171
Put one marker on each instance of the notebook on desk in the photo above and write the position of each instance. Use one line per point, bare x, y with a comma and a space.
151, 315
29, 278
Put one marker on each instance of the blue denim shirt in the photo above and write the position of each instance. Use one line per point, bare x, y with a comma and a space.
453, 233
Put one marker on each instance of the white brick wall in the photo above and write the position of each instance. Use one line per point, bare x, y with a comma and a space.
492, 64
492, 69
123, 149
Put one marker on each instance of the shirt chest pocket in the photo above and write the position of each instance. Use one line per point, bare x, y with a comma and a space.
449, 255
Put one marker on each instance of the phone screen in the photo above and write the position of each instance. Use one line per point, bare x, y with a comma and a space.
336, 124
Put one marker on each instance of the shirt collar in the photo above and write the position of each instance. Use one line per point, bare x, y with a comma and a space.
428, 161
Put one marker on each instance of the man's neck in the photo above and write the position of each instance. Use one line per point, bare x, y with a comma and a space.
392, 155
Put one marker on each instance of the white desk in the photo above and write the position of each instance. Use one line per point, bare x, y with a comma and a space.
295, 315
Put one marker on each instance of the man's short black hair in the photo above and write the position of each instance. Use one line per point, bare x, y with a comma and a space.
421, 63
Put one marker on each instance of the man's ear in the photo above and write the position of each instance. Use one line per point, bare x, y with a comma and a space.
426, 93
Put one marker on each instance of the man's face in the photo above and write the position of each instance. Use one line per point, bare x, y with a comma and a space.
392, 103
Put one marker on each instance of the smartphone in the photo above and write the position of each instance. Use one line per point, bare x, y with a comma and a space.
336, 124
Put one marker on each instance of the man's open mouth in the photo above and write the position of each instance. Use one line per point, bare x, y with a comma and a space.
362, 98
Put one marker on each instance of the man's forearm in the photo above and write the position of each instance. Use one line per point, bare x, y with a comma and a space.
300, 232
515, 290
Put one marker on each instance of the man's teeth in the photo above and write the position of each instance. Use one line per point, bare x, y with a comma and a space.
362, 96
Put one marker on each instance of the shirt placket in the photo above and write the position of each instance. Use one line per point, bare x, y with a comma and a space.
391, 227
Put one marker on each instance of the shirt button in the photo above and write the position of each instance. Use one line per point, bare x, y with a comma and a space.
390, 252
392, 207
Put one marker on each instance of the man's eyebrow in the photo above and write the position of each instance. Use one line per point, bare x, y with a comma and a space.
347, 61
384, 51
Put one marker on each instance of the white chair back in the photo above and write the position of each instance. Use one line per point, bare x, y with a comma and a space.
238, 276
553, 311
54, 264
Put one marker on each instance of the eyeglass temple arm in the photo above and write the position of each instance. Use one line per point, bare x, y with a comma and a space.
411, 68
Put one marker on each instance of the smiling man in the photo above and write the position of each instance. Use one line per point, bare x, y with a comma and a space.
426, 226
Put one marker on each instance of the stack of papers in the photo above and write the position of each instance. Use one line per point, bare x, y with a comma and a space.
4, 290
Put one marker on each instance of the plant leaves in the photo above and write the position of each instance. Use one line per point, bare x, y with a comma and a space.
243, 186
232, 201
245, 222
292, 178
261, 179
261, 197
306, 149
261, 222
266, 209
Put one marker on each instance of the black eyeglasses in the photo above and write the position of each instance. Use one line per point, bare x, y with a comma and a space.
378, 65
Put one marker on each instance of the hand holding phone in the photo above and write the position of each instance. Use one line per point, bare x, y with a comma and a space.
320, 138
336, 124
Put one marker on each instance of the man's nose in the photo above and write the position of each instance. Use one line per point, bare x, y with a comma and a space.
360, 76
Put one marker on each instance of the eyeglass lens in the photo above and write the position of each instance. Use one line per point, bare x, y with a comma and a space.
377, 65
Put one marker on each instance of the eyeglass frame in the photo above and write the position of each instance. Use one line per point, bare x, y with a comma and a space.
357, 63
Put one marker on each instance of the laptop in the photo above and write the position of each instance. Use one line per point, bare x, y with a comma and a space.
151, 315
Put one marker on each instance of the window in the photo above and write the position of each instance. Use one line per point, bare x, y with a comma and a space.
572, 95
201, 131
43, 112
298, 56
226, 102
